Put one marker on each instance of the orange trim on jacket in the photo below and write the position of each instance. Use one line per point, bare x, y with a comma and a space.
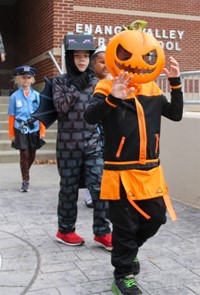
42, 129
142, 132
104, 87
120, 146
129, 162
149, 89
11, 122
176, 87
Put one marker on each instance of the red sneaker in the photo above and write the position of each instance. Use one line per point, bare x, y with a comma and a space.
71, 239
105, 241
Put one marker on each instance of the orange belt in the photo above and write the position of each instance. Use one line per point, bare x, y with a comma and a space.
168, 205
139, 185
170, 208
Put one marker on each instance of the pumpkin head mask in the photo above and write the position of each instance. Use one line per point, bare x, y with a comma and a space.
136, 52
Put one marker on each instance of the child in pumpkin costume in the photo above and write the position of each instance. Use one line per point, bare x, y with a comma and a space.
132, 179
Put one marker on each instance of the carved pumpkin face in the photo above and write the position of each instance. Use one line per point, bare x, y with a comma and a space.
136, 52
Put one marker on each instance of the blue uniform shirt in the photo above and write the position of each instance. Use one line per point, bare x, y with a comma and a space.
22, 107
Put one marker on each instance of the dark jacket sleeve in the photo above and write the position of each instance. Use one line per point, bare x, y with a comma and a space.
174, 110
64, 97
100, 107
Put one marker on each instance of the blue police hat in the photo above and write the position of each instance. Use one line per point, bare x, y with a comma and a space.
25, 71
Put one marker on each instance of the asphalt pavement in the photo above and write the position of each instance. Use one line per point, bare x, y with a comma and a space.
33, 263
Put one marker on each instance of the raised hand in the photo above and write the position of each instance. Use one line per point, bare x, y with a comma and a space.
119, 86
174, 70
12, 138
2, 57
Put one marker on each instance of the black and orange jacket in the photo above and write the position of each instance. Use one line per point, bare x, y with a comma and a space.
132, 132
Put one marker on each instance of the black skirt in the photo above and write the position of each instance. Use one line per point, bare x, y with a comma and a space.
28, 141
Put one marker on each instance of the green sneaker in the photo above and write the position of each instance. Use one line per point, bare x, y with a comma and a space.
126, 286
136, 266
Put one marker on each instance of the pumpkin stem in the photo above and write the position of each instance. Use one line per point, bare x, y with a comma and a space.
140, 25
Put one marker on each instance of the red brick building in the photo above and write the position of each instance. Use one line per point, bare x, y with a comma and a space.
32, 28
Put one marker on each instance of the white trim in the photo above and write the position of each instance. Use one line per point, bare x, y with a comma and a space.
136, 12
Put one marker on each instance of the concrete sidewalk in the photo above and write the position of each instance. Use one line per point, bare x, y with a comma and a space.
33, 263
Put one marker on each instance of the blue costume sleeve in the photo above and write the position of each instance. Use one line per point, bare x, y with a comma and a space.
11, 107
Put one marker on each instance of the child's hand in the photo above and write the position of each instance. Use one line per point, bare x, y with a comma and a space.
2, 57
81, 81
12, 138
120, 83
173, 71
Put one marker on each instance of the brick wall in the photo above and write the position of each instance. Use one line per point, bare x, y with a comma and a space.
185, 50
6, 25
35, 32
28, 34
188, 47
33, 27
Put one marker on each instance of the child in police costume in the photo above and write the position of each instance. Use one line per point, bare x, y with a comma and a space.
78, 144
25, 133
132, 177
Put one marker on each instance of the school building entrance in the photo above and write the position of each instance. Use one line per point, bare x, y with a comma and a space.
30, 29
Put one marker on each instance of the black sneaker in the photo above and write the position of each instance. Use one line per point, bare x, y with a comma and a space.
136, 266
126, 286
25, 186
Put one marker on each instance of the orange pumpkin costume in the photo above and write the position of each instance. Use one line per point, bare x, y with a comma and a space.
132, 153
132, 179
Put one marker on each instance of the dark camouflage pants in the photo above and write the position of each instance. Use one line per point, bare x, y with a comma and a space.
71, 165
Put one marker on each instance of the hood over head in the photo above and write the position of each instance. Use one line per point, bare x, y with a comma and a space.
77, 42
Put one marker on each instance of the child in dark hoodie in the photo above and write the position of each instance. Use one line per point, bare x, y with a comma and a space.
78, 144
